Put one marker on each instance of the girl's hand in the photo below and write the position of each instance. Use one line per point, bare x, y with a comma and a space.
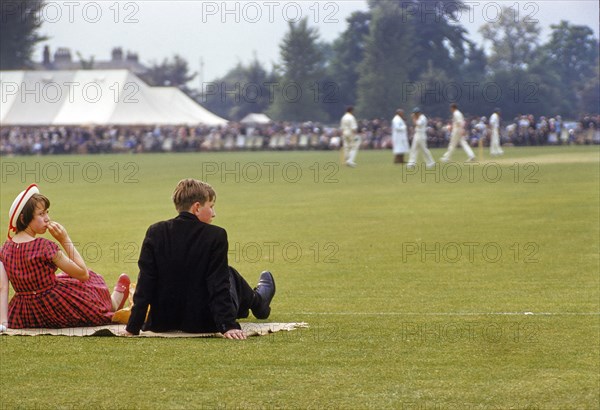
58, 231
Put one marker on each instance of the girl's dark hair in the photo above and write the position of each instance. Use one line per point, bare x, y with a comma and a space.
29, 209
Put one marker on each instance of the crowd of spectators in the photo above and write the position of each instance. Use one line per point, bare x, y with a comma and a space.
376, 134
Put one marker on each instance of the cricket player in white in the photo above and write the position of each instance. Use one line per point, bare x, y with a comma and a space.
495, 140
419, 142
458, 135
399, 137
350, 135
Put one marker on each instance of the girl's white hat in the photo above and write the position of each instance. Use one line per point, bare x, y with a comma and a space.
17, 207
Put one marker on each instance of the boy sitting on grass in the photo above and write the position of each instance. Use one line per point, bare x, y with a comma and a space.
184, 276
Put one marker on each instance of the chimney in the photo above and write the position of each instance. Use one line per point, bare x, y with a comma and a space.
46, 60
62, 55
133, 57
117, 54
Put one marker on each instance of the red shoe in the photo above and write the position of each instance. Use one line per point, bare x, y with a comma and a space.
122, 286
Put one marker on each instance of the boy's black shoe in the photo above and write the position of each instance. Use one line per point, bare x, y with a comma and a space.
264, 292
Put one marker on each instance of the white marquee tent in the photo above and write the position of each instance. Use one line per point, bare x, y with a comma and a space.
256, 118
94, 97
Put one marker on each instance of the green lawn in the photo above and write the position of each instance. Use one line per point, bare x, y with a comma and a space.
469, 286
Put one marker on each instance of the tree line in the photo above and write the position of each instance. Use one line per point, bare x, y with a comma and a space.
395, 55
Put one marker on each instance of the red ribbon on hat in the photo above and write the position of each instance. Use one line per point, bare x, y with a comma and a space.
12, 227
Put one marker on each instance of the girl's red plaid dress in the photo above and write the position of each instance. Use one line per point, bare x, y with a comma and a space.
44, 299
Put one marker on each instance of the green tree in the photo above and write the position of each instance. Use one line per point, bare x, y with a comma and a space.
348, 52
516, 81
19, 25
439, 38
414, 49
388, 60
514, 41
436, 101
521, 91
589, 96
473, 69
572, 52
170, 73
243, 90
540, 93
297, 97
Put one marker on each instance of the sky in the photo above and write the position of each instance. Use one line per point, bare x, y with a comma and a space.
222, 33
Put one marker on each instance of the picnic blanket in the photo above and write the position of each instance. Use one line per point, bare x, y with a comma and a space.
251, 329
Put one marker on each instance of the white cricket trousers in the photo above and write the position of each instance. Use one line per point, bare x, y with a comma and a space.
495, 143
351, 146
454, 140
419, 144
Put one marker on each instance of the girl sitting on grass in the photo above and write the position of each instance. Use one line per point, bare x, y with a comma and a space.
43, 299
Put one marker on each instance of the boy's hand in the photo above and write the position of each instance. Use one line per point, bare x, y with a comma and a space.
235, 334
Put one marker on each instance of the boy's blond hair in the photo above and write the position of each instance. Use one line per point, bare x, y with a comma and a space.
189, 191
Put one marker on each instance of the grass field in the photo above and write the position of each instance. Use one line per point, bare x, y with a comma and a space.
469, 286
